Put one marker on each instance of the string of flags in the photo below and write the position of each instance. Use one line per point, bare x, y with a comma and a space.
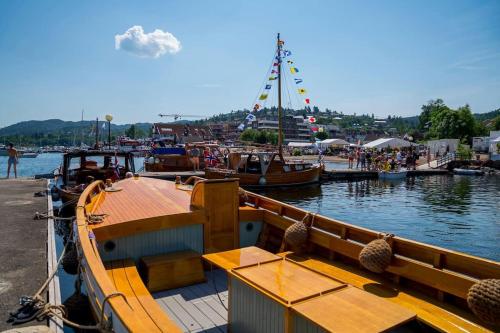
274, 74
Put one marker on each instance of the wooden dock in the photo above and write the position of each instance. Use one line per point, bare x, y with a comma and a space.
23, 245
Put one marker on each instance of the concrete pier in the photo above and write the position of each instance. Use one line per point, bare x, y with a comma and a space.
23, 243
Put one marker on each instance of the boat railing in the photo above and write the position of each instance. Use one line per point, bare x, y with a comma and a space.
445, 270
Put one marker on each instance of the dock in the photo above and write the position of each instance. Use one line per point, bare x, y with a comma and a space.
23, 245
353, 174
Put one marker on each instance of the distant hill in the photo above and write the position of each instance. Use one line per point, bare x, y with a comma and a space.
57, 126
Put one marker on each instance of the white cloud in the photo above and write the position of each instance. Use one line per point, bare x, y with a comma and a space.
150, 45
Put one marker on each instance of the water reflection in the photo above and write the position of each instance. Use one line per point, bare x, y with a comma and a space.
448, 194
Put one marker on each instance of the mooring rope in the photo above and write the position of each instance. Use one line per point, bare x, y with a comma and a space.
40, 309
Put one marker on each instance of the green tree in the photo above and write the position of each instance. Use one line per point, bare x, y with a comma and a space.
496, 123
321, 135
432, 107
453, 124
249, 135
131, 131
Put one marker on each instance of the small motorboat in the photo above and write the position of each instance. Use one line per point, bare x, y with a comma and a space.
468, 172
28, 155
392, 175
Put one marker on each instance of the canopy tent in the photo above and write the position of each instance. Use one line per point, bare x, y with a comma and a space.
388, 142
301, 144
332, 143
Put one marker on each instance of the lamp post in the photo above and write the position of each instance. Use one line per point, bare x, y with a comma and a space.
109, 118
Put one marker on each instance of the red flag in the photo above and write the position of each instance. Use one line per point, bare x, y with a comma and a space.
312, 119
307, 100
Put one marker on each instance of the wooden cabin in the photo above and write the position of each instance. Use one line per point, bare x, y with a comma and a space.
264, 169
182, 258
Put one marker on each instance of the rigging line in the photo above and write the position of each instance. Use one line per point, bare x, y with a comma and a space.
296, 94
266, 78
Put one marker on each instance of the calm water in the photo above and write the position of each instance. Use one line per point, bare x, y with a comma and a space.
456, 212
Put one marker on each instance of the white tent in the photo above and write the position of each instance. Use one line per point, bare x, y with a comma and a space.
301, 144
332, 142
388, 142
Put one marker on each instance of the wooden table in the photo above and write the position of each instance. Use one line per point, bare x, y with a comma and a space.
240, 257
353, 310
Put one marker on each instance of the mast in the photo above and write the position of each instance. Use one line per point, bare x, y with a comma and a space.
280, 111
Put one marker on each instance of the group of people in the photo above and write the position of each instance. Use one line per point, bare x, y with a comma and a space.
375, 160
210, 158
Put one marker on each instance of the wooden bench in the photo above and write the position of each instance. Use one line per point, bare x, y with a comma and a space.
126, 279
172, 270
441, 316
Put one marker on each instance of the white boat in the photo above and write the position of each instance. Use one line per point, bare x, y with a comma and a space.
28, 155
392, 174
468, 172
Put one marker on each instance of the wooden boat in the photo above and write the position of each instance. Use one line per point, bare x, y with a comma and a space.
261, 169
100, 165
175, 158
392, 175
265, 169
141, 263
468, 172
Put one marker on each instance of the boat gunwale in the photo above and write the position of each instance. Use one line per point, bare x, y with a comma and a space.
95, 265
362, 236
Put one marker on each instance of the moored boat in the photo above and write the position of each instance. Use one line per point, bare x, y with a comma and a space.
265, 169
141, 262
79, 168
392, 175
468, 172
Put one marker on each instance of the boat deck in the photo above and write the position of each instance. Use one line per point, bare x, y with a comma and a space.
197, 308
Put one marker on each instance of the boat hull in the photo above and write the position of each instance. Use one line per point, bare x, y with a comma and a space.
468, 172
392, 175
303, 177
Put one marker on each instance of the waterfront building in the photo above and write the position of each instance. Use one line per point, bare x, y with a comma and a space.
181, 133
295, 128
443, 146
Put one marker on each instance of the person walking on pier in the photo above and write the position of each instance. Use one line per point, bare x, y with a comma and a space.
13, 155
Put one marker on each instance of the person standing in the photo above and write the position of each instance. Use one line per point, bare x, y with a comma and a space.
195, 158
358, 153
362, 157
351, 159
13, 156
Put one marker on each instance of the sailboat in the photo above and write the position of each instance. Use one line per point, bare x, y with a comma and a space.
268, 168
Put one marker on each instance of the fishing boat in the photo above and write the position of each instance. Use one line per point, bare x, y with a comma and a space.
264, 169
392, 175
468, 172
206, 256
80, 167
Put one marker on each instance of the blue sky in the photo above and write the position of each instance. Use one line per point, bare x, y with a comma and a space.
381, 57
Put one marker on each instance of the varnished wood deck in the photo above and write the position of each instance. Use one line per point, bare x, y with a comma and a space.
197, 308
141, 198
